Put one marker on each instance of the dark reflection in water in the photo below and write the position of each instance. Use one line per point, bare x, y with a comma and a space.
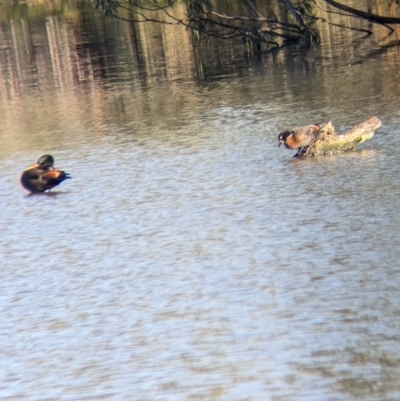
190, 258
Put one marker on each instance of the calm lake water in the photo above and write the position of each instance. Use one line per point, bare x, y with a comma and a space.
190, 258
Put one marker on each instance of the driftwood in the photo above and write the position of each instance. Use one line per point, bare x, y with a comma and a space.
328, 142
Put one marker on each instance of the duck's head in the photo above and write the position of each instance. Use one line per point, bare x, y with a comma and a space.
283, 136
46, 161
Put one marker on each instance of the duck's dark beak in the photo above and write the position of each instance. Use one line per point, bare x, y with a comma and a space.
280, 143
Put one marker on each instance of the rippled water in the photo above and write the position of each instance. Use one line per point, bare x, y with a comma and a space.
190, 258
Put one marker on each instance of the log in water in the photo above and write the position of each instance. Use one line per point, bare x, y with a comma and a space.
328, 142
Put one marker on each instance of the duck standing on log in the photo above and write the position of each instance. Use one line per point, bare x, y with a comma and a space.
42, 176
321, 139
299, 137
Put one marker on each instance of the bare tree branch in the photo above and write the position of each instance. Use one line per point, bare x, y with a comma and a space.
363, 14
257, 31
295, 12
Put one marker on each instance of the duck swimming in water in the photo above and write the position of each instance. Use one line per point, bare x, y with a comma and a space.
42, 176
299, 137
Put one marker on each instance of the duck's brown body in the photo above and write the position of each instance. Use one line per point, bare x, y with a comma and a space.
298, 137
42, 176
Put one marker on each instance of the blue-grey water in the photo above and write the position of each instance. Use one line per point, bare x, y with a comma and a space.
190, 258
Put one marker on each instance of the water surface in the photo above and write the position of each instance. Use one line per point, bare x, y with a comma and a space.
190, 258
